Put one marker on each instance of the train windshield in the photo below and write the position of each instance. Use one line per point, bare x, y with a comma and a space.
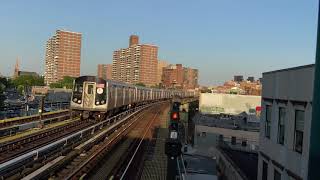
78, 88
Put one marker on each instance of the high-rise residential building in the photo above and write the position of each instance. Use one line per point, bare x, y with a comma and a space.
172, 76
177, 76
105, 71
63, 54
285, 127
136, 64
190, 78
161, 65
134, 40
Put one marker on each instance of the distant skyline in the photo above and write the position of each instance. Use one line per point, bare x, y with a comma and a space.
220, 38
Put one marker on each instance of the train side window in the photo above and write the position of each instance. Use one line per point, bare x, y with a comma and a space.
90, 89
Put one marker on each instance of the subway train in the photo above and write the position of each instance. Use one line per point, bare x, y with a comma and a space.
99, 98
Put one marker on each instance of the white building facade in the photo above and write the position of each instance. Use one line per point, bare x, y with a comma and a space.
285, 123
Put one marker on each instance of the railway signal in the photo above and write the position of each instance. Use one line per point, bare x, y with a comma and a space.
173, 143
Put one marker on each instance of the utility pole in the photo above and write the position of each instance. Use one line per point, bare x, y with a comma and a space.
314, 148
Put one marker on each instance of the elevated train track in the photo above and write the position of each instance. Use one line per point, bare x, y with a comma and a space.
130, 137
25, 144
73, 150
18, 167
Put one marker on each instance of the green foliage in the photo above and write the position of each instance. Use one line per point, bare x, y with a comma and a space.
28, 80
4, 83
158, 86
66, 82
140, 84
20, 89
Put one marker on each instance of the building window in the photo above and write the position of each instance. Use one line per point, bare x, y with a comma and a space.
276, 175
268, 120
299, 126
264, 170
281, 127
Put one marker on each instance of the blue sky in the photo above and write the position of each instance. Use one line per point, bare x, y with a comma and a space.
219, 37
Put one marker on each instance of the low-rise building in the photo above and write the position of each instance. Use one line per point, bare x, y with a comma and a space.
285, 123
27, 73
213, 103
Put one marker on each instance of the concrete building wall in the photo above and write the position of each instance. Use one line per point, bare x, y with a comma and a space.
291, 89
211, 103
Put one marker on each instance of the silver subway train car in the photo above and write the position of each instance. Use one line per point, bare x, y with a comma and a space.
96, 97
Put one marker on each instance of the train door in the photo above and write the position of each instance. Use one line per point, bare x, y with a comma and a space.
89, 94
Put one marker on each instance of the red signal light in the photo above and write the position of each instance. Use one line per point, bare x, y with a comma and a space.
175, 116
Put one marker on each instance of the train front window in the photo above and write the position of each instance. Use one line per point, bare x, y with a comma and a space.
90, 89
78, 88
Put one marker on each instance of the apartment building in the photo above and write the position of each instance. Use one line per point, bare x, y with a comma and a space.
172, 76
136, 64
105, 71
63, 55
161, 65
190, 78
285, 123
177, 76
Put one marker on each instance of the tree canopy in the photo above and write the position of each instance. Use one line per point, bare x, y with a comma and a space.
28, 80
4, 83
66, 82
140, 84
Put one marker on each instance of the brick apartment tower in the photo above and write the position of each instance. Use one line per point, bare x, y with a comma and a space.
136, 64
161, 65
179, 77
190, 79
63, 54
172, 76
105, 71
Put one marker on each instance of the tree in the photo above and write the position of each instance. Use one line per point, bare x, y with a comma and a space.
140, 84
28, 80
20, 89
157, 86
66, 82
4, 83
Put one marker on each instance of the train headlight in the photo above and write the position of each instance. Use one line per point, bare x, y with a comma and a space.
79, 101
75, 99
102, 102
97, 103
